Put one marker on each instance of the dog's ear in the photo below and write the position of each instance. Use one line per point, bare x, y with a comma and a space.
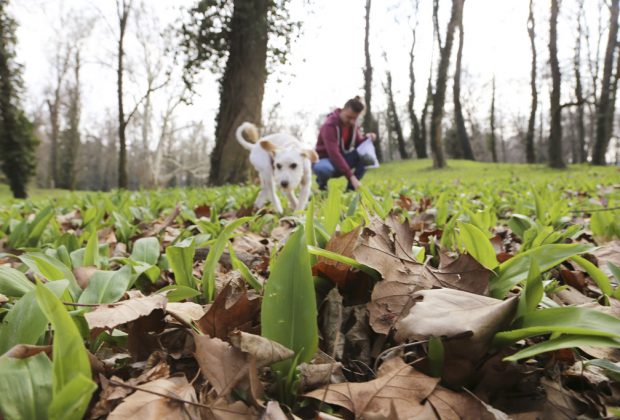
268, 146
310, 154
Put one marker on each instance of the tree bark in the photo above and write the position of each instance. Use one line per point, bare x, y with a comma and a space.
581, 153
492, 136
439, 98
370, 124
461, 131
416, 136
530, 156
604, 116
556, 157
123, 10
393, 121
242, 88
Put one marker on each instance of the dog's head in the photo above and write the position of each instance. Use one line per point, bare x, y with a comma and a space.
289, 165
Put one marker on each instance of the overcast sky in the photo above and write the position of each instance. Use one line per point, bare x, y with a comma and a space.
326, 62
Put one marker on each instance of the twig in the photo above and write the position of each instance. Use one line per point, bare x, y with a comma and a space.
87, 305
593, 210
383, 353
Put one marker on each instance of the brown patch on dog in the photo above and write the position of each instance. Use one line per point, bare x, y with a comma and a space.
310, 154
251, 133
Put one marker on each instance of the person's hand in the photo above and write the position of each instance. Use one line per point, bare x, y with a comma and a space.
371, 136
355, 183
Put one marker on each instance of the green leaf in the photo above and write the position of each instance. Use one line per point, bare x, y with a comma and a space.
26, 387
70, 357
435, 356
563, 320
72, 401
564, 342
38, 225
615, 270
533, 291
343, 259
516, 269
106, 286
181, 260
146, 250
208, 276
14, 283
179, 293
288, 310
419, 252
331, 209
611, 369
310, 233
519, 224
478, 245
25, 323
247, 275
442, 210
51, 269
597, 275
91, 253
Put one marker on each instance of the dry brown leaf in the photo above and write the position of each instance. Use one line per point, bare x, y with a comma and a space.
389, 302
223, 410
144, 405
450, 313
463, 273
83, 275
609, 252
111, 316
266, 351
312, 376
220, 363
3, 299
185, 312
228, 313
399, 387
23, 351
274, 412
450, 405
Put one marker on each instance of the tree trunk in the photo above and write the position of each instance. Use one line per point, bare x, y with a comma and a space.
71, 136
581, 153
370, 124
123, 15
492, 136
556, 158
393, 122
416, 136
461, 131
439, 98
530, 156
242, 89
604, 117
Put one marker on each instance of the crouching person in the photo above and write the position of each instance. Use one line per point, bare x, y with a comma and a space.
337, 144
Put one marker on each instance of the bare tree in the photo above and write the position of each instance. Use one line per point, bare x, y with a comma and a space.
123, 9
71, 137
416, 136
604, 116
370, 123
556, 157
440, 87
393, 122
531, 126
461, 131
492, 136
580, 154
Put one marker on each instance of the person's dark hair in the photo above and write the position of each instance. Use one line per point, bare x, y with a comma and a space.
355, 104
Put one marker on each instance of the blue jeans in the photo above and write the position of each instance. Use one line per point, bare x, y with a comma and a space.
324, 169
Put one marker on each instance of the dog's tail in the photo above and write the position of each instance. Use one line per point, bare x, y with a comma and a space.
250, 131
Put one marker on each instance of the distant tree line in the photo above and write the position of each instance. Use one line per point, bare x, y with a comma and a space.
142, 144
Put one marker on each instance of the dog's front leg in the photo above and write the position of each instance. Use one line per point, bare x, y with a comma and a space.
292, 199
262, 195
273, 196
304, 193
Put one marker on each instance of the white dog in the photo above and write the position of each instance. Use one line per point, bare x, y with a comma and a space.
280, 160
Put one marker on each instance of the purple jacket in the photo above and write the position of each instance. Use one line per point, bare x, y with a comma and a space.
330, 143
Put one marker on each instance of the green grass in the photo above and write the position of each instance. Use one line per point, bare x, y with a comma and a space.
416, 173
